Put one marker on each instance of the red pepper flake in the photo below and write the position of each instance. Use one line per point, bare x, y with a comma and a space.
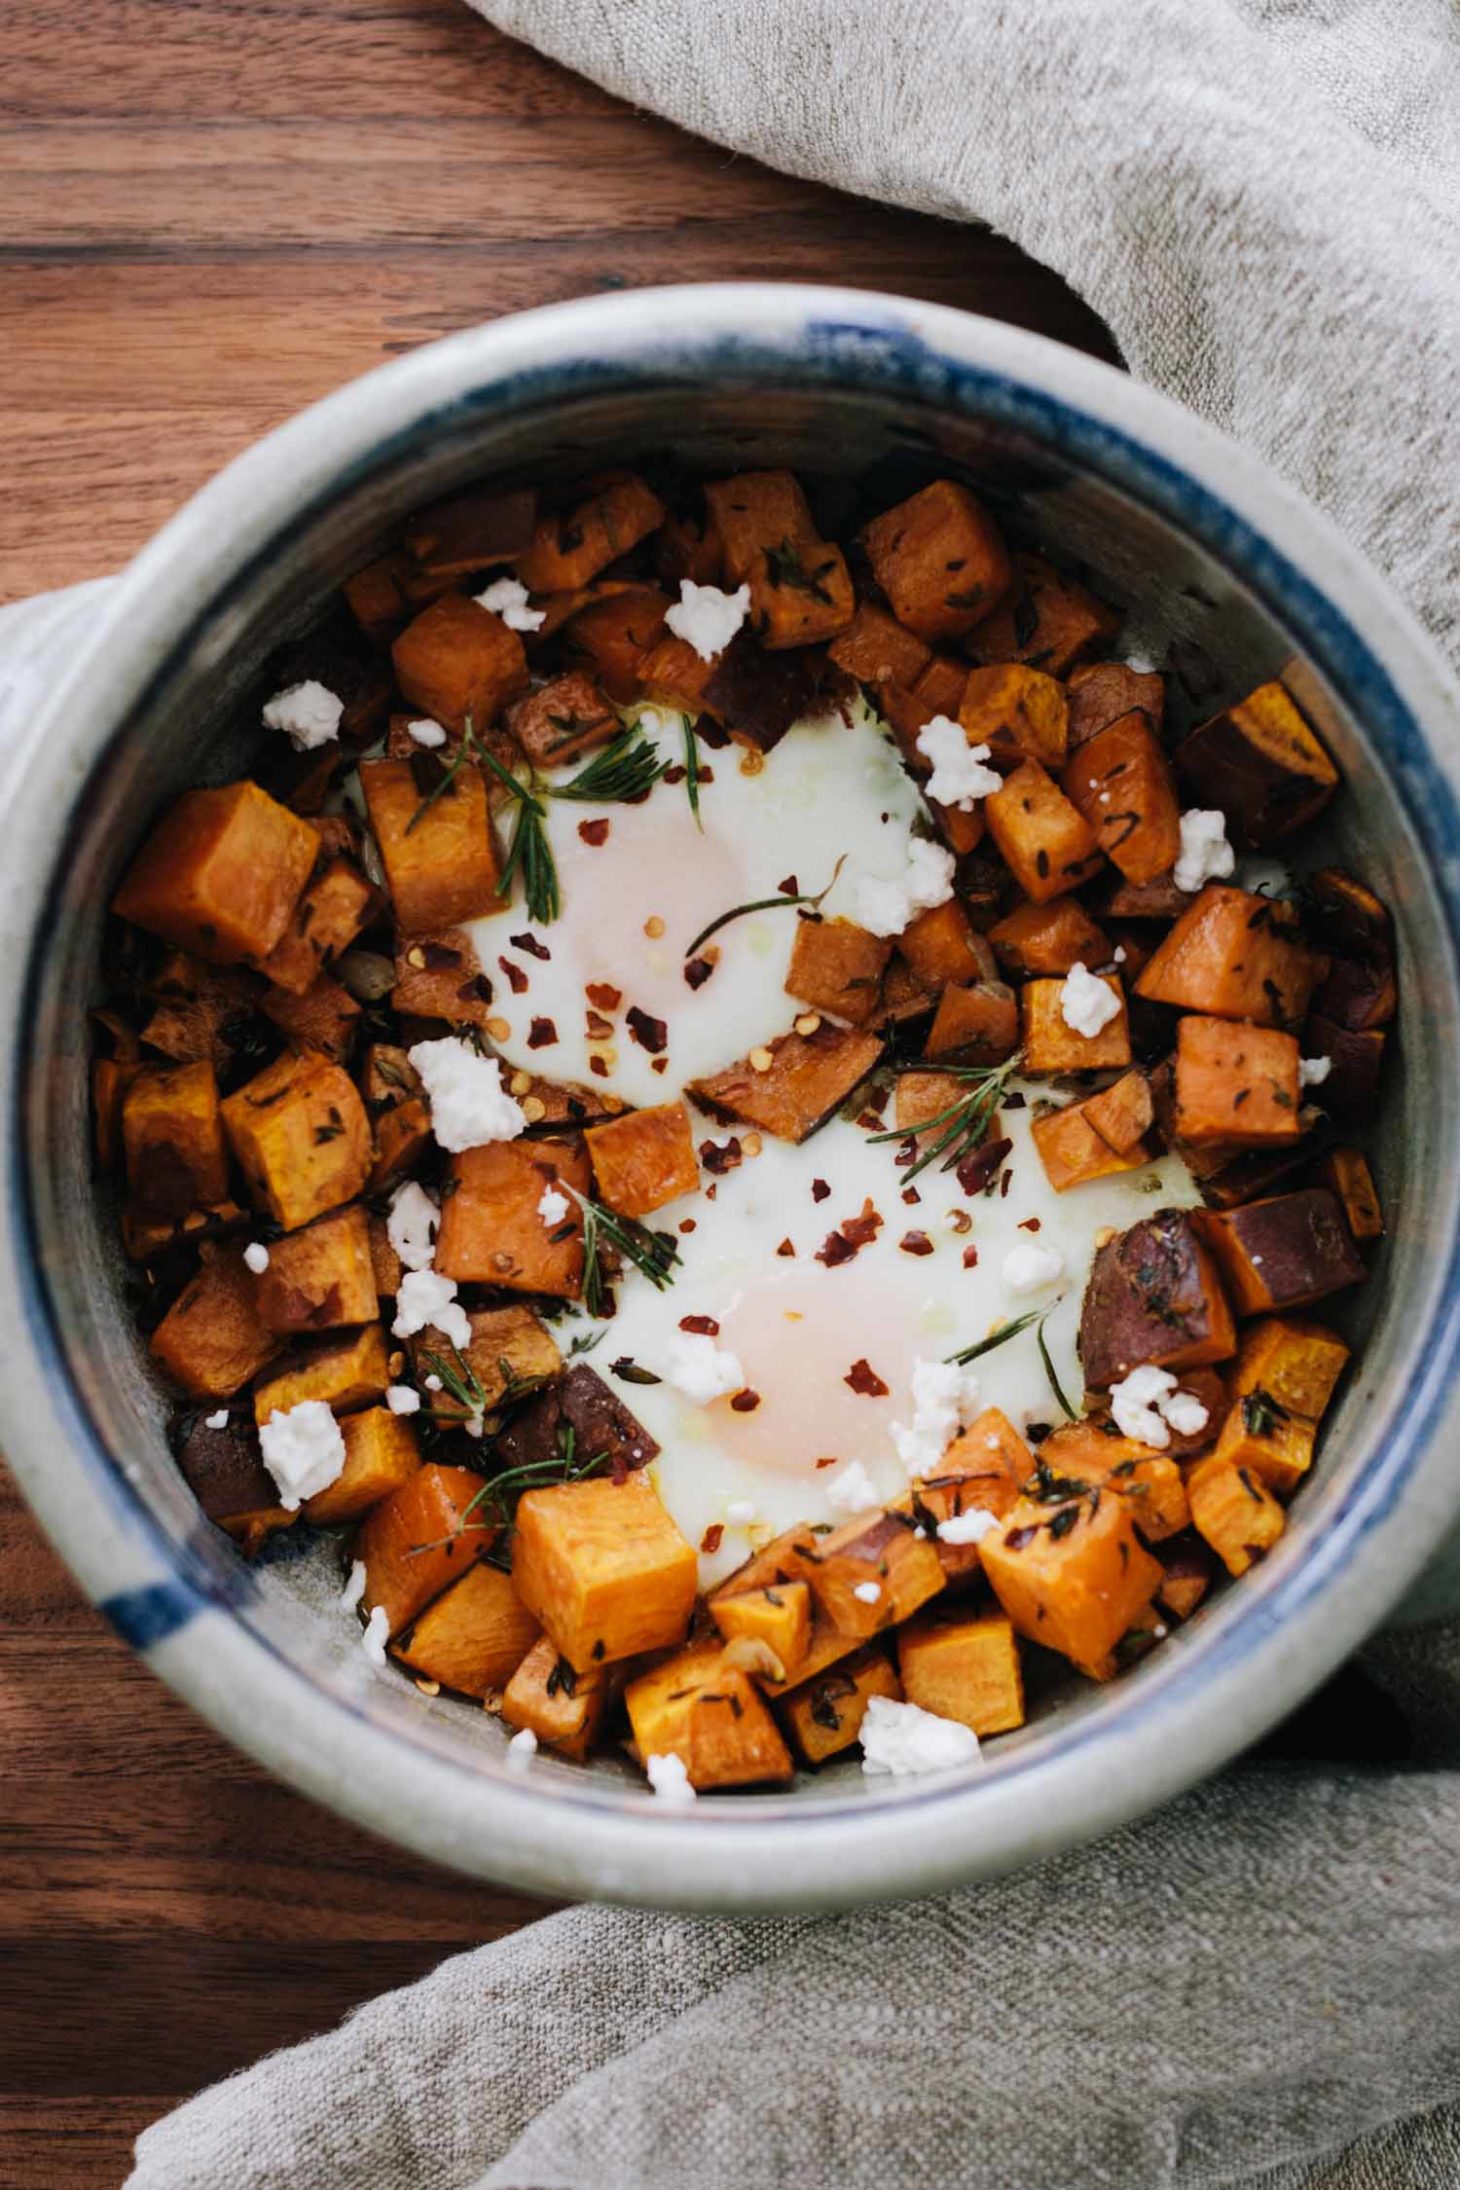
706, 1326
650, 1034
598, 1066
697, 971
862, 1230
865, 1381
711, 1192
915, 1243
970, 1258
542, 1034
594, 832
658, 1064
710, 1541
1004, 1184
686, 1224
790, 887
830, 1461
598, 1028
516, 978
977, 1172
718, 1157
531, 945
604, 995
676, 773
1029, 1224
871, 1121
707, 775
746, 1402
787, 1247
911, 1196
835, 1250
819, 1190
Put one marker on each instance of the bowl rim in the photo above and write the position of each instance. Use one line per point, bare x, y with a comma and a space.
733, 1854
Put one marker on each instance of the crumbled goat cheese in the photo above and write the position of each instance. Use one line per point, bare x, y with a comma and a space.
706, 617
427, 1299
507, 598
1087, 1004
433, 1384
1147, 1406
426, 732
521, 1749
740, 1512
669, 1779
354, 1589
902, 1738
702, 1370
852, 1490
309, 714
1029, 1266
867, 1592
887, 907
1205, 854
969, 1527
1313, 1071
553, 1207
376, 1635
257, 1257
402, 1400
959, 776
1118, 954
469, 1104
944, 1397
410, 1225
218, 1421
303, 1450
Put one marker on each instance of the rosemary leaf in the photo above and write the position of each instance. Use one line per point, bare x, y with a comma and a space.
656, 1254
1000, 1337
1044, 1355
467, 750
691, 771
625, 769
966, 1120
766, 904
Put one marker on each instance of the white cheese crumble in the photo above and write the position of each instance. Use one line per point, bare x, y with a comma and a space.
706, 617
218, 1421
852, 1490
507, 598
433, 1384
303, 1450
669, 1779
902, 1738
402, 1400
309, 714
1205, 854
1029, 1266
740, 1512
521, 1749
427, 1299
410, 1225
354, 1589
867, 1592
969, 1527
553, 1207
257, 1257
1313, 1071
960, 777
945, 1398
470, 1105
1087, 1004
426, 731
887, 907
702, 1370
376, 1635
1147, 1406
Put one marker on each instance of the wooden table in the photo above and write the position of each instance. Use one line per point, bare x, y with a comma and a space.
209, 216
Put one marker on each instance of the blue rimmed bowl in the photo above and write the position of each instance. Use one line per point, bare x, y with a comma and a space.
1235, 580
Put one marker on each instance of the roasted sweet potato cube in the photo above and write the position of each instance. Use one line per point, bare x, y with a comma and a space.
227, 1476
1154, 1295
1292, 1364
472, 531
376, 597
604, 1568
904, 997
1050, 1044
983, 1471
1360, 990
327, 1018
1233, 955
1262, 764
674, 675
755, 510
964, 1669
1234, 1511
300, 1135
975, 1025
1284, 1252
613, 637
872, 1571
578, 1413
220, 874
388, 1267
571, 547
1016, 711
876, 649
402, 1138
779, 1616
1045, 619
492, 1230
942, 945
1073, 1152
688, 545
1277, 1448
794, 1084
439, 976
824, 1715
440, 859
940, 559
1147, 1478
344, 1372
1120, 781
774, 1563
1117, 899
511, 1351
710, 1716
562, 1707
1048, 939
1047, 844
381, 1453
800, 590
1123, 1112
1346, 1174
211, 1340
1101, 692
333, 907
1076, 1586
172, 1130
420, 1539
922, 1098
758, 694
144, 1237
643, 1159
1236, 1085
474, 1637
457, 660
110, 1079
321, 1278
563, 719
837, 967
1187, 1566
199, 1011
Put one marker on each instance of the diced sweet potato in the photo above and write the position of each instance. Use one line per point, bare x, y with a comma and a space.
1044, 619
1233, 955
227, 1476
837, 967
794, 1084
688, 545
904, 997
512, 1351
571, 548
1351, 1090
334, 907
1047, 844
563, 719
1049, 1044
221, 874
1117, 899
300, 1135
1073, 1152
1285, 1252
672, 674
920, 1098
876, 649
872, 1571
577, 1415
1187, 1566
474, 1637
145, 1237
172, 1131
440, 976
457, 660
381, 1453
758, 694
199, 1011
1275, 1447
940, 559
711, 1717
344, 1372
402, 1138
964, 1669
417, 1541
977, 1025
824, 1715
1014, 710
1154, 1295
440, 858
492, 1231
471, 531
110, 1079
1346, 1174
211, 1341
326, 1019
1236, 1085
1122, 785
562, 1707
1360, 990
774, 1563
1291, 1363
779, 1616
320, 1278
1048, 939
1262, 764
1076, 1586
376, 596
604, 1568
1234, 1511
942, 945
613, 637
983, 1471
1101, 692
800, 589
1124, 1112
1148, 1479
643, 1159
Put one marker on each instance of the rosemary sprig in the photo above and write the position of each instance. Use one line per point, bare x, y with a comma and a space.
656, 1254
566, 1465
459, 1380
966, 1120
1054, 1383
626, 768
1000, 1337
467, 750
691, 770
529, 850
769, 904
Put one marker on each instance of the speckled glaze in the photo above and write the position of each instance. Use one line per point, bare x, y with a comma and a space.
1231, 569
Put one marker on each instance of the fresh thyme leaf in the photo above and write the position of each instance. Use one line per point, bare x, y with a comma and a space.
966, 1120
467, 750
691, 770
625, 769
1054, 1382
656, 1254
1000, 1337
1261, 1413
765, 904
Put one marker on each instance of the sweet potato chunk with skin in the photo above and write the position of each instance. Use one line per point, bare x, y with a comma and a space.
376, 597
1044, 619
145, 1237
613, 637
420, 1539
344, 1372
942, 945
1122, 785
1101, 692
1350, 1092
456, 659
837, 967
778, 1616
511, 1350
563, 719
800, 589
711, 1717
1233, 955
1051, 1045
211, 1341
440, 860
1187, 1566
332, 910
1014, 710
320, 1278
300, 1135
439, 976
881, 1552
172, 1131
903, 996
604, 1568
643, 1159
807, 1078
1048, 939
1262, 764
381, 1453
474, 1637
1236, 1085
570, 548
1285, 1252
977, 1025
199, 1010
1234, 1511
1346, 1174
227, 1476
824, 1715
471, 531
1047, 844
983, 1471
579, 1413
1360, 990
1075, 1586
876, 649
221, 874
492, 1231
964, 1669
1074, 1152
562, 1707
672, 674
1154, 1295
940, 559
325, 1019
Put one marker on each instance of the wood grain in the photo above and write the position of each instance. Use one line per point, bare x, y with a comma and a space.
212, 212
